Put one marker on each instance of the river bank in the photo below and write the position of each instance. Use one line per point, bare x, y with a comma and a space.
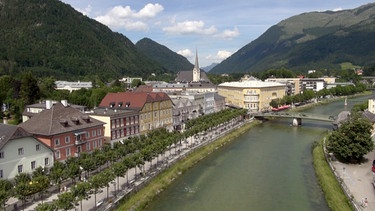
140, 199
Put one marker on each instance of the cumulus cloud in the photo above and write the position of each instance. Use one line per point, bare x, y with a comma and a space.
229, 34
221, 55
186, 53
125, 17
190, 27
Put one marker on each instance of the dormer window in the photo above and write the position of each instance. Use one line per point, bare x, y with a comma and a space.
127, 104
120, 104
75, 120
64, 122
112, 104
86, 118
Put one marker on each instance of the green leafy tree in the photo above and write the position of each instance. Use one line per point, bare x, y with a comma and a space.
30, 91
81, 191
65, 201
57, 173
46, 207
5, 191
352, 140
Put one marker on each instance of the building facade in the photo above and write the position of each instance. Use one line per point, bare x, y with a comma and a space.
72, 85
120, 124
254, 95
66, 130
21, 152
155, 108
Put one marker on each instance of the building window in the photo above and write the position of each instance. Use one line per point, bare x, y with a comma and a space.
93, 133
57, 154
88, 146
20, 169
57, 142
46, 161
67, 152
88, 135
100, 131
100, 142
37, 147
1, 173
33, 165
20, 151
79, 149
1, 155
94, 144
67, 139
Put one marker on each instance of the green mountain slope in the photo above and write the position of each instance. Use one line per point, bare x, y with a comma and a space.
169, 59
49, 37
316, 40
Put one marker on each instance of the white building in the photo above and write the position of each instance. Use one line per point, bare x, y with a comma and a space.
71, 86
20, 152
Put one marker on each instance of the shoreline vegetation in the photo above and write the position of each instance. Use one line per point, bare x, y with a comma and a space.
334, 195
145, 195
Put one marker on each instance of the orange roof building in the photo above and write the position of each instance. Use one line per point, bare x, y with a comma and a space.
155, 108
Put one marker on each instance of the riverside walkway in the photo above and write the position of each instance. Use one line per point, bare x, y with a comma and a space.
133, 181
357, 181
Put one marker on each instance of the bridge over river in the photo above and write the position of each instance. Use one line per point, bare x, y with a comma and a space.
297, 117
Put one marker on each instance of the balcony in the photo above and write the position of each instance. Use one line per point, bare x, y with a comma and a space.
251, 94
251, 100
78, 142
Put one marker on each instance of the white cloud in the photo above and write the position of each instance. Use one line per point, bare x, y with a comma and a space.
186, 53
190, 27
125, 17
229, 34
221, 55
85, 11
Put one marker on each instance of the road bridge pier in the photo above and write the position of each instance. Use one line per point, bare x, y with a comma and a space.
297, 122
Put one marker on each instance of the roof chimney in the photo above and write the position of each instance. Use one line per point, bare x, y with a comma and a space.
48, 104
64, 102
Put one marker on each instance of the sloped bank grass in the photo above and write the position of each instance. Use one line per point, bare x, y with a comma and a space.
140, 199
334, 195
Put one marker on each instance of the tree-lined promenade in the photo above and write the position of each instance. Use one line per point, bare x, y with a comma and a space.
91, 172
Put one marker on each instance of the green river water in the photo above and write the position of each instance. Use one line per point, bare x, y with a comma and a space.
267, 168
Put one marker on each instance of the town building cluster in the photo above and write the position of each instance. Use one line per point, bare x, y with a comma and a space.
54, 131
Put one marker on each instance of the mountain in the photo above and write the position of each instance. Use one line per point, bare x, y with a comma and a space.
315, 40
209, 67
50, 38
171, 60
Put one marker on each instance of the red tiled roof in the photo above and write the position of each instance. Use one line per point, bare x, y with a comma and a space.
132, 100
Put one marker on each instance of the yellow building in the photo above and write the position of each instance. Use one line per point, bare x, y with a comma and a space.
155, 108
254, 95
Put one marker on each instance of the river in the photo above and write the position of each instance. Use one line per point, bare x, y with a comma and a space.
267, 168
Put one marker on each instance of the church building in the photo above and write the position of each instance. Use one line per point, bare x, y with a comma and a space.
193, 76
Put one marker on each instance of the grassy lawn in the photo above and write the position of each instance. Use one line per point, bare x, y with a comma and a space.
139, 200
334, 195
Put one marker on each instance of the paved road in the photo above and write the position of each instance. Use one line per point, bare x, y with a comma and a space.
358, 180
134, 179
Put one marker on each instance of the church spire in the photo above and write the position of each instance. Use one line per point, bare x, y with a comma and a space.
196, 60
196, 70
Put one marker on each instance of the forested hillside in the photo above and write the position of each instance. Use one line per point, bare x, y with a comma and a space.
169, 59
315, 40
50, 38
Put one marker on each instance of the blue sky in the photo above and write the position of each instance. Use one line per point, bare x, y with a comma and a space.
216, 29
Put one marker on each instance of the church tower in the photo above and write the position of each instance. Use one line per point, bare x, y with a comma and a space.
196, 70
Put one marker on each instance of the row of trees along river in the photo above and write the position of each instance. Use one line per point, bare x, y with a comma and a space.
108, 164
267, 168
